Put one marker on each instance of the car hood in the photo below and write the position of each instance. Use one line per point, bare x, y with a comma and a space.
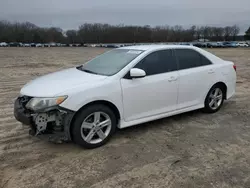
54, 83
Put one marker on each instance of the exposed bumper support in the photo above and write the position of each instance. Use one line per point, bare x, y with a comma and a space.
56, 129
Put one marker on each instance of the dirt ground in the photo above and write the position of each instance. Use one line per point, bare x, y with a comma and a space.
189, 150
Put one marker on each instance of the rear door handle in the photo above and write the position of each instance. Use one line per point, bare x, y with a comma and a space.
211, 71
172, 78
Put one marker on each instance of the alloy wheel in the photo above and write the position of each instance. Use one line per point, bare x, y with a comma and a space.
96, 127
215, 98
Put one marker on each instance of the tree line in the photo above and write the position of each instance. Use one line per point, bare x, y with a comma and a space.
29, 33
104, 33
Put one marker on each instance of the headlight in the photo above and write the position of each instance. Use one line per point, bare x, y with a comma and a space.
42, 103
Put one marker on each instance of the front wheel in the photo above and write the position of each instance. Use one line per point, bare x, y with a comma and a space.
93, 126
214, 99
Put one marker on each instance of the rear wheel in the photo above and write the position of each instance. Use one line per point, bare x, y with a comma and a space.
93, 126
214, 99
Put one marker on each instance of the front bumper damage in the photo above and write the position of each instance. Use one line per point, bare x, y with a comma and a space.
51, 124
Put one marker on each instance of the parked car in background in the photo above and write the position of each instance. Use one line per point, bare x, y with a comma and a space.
46, 45
124, 87
75, 45
185, 43
32, 44
104, 45
212, 45
230, 44
39, 45
234, 44
26, 45
110, 46
242, 44
220, 45
200, 44
52, 44
3, 44
118, 45
15, 44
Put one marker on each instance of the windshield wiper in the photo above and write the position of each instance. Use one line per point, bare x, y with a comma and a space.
89, 71
85, 70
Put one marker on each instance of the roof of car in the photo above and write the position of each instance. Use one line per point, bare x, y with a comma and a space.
155, 47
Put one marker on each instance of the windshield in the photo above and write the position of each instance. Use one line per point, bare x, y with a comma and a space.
110, 62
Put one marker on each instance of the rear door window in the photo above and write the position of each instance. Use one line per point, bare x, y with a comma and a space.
188, 58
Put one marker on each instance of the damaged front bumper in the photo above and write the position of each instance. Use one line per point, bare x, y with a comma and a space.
52, 124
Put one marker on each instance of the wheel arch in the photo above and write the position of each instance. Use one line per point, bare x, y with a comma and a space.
223, 87
103, 102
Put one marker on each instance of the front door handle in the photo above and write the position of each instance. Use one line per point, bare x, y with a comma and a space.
211, 71
172, 78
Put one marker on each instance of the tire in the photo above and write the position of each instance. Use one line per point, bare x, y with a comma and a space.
212, 107
86, 126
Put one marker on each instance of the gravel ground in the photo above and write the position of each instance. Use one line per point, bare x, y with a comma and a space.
188, 150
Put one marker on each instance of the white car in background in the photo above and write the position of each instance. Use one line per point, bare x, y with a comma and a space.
39, 45
3, 44
52, 44
26, 45
242, 44
124, 87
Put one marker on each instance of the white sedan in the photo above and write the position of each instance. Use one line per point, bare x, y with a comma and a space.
3, 44
242, 44
124, 87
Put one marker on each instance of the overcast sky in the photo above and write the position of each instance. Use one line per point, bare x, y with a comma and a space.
69, 14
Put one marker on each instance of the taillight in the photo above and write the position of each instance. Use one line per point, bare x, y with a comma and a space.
234, 67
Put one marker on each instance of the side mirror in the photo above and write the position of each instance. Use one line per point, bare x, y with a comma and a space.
137, 73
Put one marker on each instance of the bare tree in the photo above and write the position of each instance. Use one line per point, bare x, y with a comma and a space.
218, 33
247, 34
105, 33
235, 31
72, 36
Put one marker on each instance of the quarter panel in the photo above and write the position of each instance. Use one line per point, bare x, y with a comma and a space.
194, 85
228, 75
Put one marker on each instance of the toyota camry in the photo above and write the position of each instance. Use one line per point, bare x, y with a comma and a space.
121, 88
